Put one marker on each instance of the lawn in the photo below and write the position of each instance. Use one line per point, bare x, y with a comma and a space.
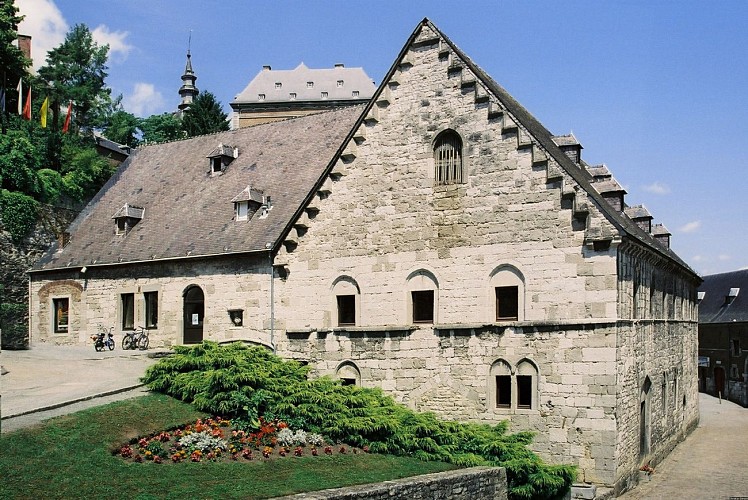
72, 457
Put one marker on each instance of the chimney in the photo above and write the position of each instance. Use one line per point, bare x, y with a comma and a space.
24, 43
266, 68
641, 216
661, 235
339, 65
570, 146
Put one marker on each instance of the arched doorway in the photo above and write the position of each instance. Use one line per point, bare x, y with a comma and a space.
194, 314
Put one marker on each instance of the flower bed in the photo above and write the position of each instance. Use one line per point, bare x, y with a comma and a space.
215, 439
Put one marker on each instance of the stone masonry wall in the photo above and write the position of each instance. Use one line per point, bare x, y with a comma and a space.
232, 283
477, 483
382, 226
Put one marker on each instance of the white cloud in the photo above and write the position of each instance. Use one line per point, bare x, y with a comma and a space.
144, 100
44, 22
723, 257
691, 226
657, 188
118, 47
697, 258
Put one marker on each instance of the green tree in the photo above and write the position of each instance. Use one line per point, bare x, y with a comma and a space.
75, 71
204, 116
161, 128
18, 163
122, 128
12, 60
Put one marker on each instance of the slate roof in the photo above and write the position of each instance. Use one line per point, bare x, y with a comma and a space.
190, 212
638, 212
714, 307
295, 80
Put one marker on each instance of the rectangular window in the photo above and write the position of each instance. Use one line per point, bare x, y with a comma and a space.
216, 164
423, 306
346, 310
348, 381
278, 85
260, 97
507, 303
151, 309
524, 391
503, 391
62, 314
242, 210
323, 95
292, 95
735, 347
340, 83
128, 311
355, 93
309, 85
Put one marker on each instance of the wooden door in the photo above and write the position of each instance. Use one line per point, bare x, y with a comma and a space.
194, 315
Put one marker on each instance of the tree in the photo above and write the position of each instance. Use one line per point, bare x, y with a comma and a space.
18, 163
122, 128
161, 128
204, 116
76, 71
12, 60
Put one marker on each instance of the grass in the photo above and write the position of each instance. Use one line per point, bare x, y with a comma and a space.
71, 457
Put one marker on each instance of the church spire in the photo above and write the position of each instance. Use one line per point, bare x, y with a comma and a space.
188, 90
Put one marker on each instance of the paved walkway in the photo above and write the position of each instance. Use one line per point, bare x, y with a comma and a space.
712, 463
45, 380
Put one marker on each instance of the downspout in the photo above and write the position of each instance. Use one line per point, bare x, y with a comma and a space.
272, 300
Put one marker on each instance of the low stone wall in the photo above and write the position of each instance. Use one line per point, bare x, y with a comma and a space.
470, 484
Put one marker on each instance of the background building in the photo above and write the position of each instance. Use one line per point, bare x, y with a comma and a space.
723, 336
275, 95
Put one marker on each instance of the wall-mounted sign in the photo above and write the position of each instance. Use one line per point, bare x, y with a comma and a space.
704, 361
195, 319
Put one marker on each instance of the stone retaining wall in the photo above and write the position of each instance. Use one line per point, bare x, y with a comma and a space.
470, 484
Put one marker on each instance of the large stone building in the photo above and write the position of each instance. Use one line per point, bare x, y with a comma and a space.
723, 336
437, 242
275, 95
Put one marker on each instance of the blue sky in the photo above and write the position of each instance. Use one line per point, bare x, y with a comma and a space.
658, 91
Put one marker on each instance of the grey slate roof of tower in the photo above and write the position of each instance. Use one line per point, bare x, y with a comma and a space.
295, 81
714, 307
190, 212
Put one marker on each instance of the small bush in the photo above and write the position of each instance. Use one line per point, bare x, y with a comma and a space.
18, 213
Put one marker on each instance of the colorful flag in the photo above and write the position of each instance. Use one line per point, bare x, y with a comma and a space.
43, 112
67, 118
27, 106
20, 96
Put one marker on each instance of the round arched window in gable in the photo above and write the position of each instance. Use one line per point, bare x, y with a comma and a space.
448, 158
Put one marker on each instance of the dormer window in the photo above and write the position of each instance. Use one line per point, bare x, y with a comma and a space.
260, 97
126, 218
278, 85
247, 203
221, 157
340, 83
310, 85
323, 95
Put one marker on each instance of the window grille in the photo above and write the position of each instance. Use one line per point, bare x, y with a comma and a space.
448, 158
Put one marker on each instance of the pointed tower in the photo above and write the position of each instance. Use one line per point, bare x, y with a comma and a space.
187, 91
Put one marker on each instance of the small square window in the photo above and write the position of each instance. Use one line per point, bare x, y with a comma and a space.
423, 306
62, 314
292, 95
323, 95
151, 309
355, 93
260, 97
503, 391
236, 316
310, 85
346, 310
340, 83
507, 303
278, 85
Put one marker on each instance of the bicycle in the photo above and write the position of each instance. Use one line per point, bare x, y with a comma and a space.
103, 339
136, 339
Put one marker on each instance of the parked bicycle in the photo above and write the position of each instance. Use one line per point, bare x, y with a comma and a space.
103, 339
136, 339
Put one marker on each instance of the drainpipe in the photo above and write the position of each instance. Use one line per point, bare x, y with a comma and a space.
272, 297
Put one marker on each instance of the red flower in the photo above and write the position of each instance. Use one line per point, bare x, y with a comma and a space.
342, 450
138, 458
365, 449
328, 450
298, 451
314, 452
156, 459
125, 452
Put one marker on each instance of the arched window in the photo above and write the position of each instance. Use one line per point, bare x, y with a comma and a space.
423, 303
448, 158
513, 388
508, 293
347, 305
348, 373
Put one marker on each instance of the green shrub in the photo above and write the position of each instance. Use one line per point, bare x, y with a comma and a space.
18, 213
243, 383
